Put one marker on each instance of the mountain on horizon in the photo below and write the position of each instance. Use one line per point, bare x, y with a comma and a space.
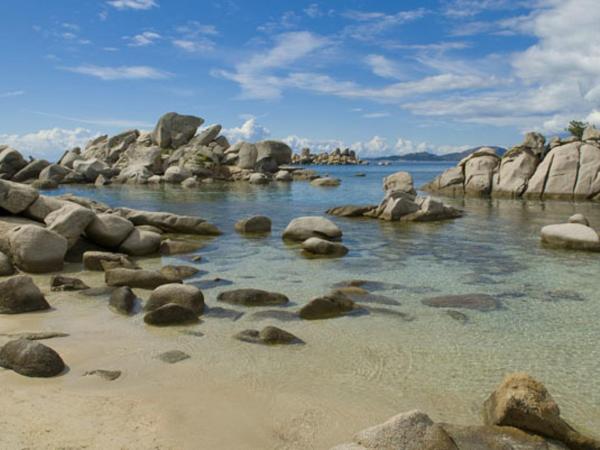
426, 156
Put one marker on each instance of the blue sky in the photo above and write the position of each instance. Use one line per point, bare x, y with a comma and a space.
384, 77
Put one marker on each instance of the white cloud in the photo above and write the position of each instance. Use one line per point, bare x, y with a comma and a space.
248, 131
11, 94
376, 115
297, 143
469, 8
103, 122
120, 72
48, 143
193, 37
143, 39
133, 4
288, 21
197, 46
313, 11
383, 67
377, 146
371, 24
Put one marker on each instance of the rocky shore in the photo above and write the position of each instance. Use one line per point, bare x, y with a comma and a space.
337, 157
563, 169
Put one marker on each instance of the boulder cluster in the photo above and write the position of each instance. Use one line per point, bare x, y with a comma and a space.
519, 414
175, 152
41, 232
401, 203
337, 157
565, 169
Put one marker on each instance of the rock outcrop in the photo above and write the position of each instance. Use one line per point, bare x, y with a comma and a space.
335, 158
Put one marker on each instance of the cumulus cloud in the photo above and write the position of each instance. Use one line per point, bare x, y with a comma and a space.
49, 143
133, 4
297, 143
143, 39
250, 131
109, 73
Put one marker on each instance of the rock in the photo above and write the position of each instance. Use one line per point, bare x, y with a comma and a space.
516, 168
252, 297
37, 336
174, 130
479, 302
207, 135
574, 236
413, 430
170, 223
279, 151
54, 172
497, 438
588, 183
11, 161
523, 402
43, 206
178, 273
326, 182
302, 228
70, 221
399, 182
562, 175
318, 246
176, 174
92, 260
138, 157
479, 170
327, 307
70, 157
140, 243
6, 265
458, 316
450, 182
19, 294
432, 210
101, 180
108, 375
144, 279
591, 133
44, 185
247, 154
254, 224
37, 250
170, 314
580, 219
350, 210
190, 183
283, 175
15, 197
137, 174
269, 335
177, 247
535, 143
63, 283
396, 208
184, 295
31, 359
122, 300
173, 356
90, 168
30, 171
258, 178
109, 230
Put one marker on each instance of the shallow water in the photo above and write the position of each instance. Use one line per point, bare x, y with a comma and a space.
358, 370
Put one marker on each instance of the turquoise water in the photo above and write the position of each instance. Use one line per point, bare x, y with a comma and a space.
420, 357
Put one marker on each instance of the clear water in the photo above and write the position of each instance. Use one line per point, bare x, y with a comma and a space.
380, 364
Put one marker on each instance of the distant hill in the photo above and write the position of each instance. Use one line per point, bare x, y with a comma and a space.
426, 156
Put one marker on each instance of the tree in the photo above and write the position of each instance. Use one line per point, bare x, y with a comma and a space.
576, 128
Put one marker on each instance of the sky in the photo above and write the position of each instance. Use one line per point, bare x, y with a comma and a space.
383, 77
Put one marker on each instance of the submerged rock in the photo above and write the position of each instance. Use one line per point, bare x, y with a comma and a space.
326, 182
178, 247
329, 306
574, 236
318, 246
254, 224
63, 283
178, 272
31, 359
479, 302
170, 314
108, 375
269, 335
252, 297
92, 260
173, 356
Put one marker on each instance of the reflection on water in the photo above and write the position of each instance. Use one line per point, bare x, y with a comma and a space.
443, 363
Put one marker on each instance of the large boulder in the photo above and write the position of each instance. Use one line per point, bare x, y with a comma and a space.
184, 295
523, 402
302, 228
170, 314
574, 236
269, 335
134, 175
450, 182
70, 221
11, 161
413, 430
516, 168
141, 156
15, 197
122, 300
479, 170
254, 224
6, 265
31, 359
588, 179
399, 182
562, 176
31, 171
279, 151
95, 260
36, 249
54, 172
170, 223
144, 279
326, 182
140, 243
90, 168
19, 294
247, 155
174, 130
109, 230
70, 157
207, 135
252, 297
176, 174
